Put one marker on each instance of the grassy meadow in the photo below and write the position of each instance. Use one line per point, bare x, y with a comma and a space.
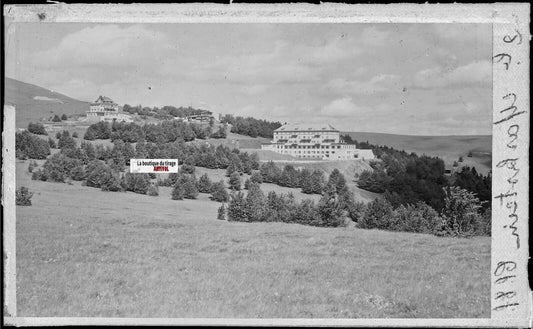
84, 252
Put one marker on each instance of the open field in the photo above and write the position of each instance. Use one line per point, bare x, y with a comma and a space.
449, 148
84, 252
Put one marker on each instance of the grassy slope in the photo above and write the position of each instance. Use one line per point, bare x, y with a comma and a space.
28, 109
449, 148
84, 252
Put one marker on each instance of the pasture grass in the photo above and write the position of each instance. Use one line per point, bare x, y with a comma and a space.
84, 252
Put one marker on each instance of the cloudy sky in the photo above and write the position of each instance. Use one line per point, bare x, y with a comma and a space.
417, 79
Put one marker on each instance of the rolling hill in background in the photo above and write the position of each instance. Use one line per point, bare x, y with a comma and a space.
449, 148
33, 102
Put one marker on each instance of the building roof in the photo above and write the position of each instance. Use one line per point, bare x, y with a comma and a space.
103, 99
306, 127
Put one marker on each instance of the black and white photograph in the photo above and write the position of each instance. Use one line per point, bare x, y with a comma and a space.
258, 170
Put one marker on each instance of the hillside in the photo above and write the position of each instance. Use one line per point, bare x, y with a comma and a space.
124, 254
449, 148
33, 102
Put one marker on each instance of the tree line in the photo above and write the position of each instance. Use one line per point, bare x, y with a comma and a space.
165, 112
163, 132
250, 126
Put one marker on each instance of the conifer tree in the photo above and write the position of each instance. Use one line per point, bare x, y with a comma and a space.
317, 182
247, 183
204, 184
305, 181
237, 208
235, 181
256, 204
221, 212
256, 177
329, 209
178, 192
219, 192
189, 187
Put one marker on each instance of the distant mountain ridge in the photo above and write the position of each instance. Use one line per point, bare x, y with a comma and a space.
33, 102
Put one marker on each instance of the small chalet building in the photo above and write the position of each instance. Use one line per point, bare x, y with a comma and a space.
104, 109
314, 142
203, 118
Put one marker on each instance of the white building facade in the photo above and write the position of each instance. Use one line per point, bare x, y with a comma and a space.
104, 109
314, 142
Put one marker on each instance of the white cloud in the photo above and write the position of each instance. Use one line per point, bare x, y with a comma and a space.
473, 74
376, 84
340, 107
106, 45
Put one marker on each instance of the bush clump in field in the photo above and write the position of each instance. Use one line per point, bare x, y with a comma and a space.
461, 212
237, 208
189, 186
306, 213
255, 207
57, 168
99, 130
221, 215
56, 118
101, 175
177, 192
378, 214
23, 196
219, 192
418, 218
330, 210
270, 172
256, 178
235, 181
204, 184
37, 128
52, 143
153, 190
290, 177
63, 117
65, 141
77, 173
30, 146
312, 183
280, 207
185, 187
32, 165
136, 182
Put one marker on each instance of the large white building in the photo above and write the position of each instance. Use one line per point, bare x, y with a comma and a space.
314, 142
104, 109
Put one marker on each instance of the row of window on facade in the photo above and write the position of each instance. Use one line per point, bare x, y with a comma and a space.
308, 146
311, 152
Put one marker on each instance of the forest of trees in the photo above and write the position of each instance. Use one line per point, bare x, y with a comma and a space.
37, 128
165, 112
407, 178
163, 132
250, 126
29, 146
